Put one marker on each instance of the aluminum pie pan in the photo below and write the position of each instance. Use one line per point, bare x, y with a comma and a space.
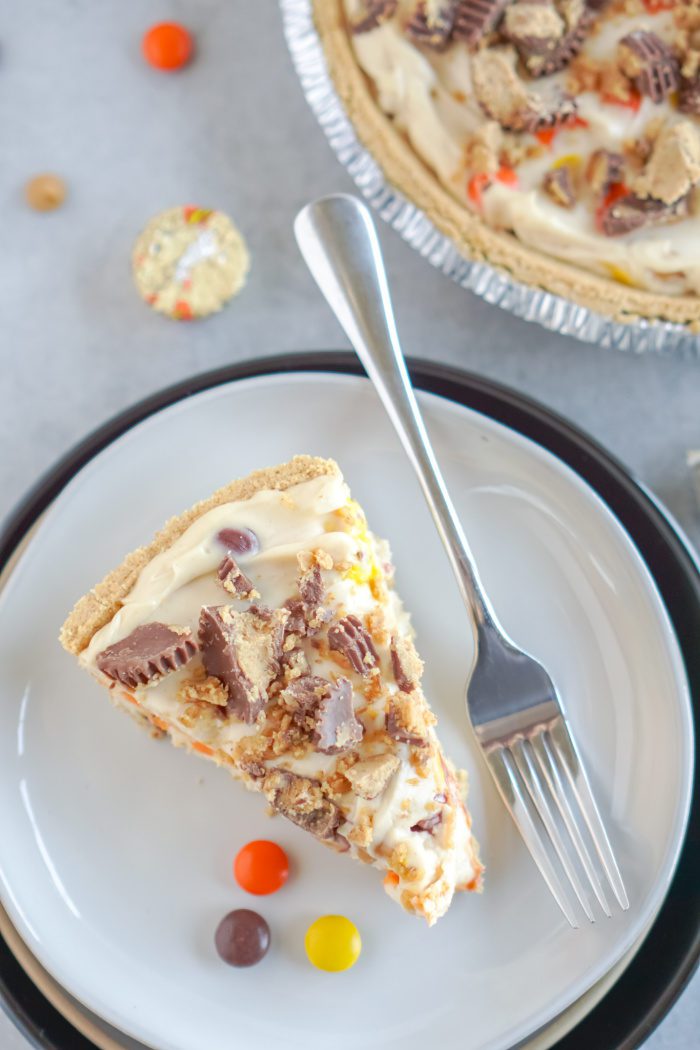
553, 312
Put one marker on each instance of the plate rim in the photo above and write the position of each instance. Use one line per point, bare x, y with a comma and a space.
591, 462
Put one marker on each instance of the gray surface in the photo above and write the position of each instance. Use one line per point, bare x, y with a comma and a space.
234, 132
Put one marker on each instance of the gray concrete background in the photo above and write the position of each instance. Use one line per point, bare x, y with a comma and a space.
233, 132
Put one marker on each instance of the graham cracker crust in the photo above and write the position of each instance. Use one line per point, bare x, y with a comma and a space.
95, 609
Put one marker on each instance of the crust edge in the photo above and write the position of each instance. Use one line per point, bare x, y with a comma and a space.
98, 606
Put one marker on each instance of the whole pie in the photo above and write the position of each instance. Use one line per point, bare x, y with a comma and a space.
556, 139
261, 630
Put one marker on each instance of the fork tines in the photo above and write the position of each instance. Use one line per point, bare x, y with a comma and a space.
543, 783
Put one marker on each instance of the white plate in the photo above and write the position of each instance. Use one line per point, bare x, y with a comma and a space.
116, 852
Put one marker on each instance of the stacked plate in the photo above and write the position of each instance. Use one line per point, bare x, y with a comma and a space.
115, 853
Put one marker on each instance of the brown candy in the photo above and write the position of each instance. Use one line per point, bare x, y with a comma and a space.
349, 637
239, 541
301, 800
633, 213
336, 728
475, 18
234, 580
558, 185
649, 62
45, 192
149, 652
242, 938
432, 22
242, 650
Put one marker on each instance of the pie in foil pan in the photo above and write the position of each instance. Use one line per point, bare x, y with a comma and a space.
613, 311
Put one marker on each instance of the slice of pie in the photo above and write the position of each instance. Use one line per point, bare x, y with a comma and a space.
557, 139
261, 630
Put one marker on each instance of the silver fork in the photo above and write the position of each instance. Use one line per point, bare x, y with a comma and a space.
512, 701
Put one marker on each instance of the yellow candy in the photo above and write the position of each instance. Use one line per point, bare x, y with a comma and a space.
363, 572
333, 943
620, 275
568, 160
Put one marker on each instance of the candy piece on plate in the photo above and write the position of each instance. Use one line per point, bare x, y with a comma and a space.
45, 192
310, 693
167, 46
261, 867
333, 943
188, 262
242, 938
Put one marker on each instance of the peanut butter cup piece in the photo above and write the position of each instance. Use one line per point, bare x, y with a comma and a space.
558, 185
370, 776
631, 213
577, 18
474, 19
371, 14
649, 63
336, 727
505, 97
301, 800
234, 580
673, 168
349, 637
406, 664
407, 720
689, 95
535, 27
149, 652
242, 650
432, 22
604, 168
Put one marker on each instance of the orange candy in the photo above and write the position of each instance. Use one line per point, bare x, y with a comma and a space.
616, 191
546, 136
476, 186
168, 46
478, 183
654, 6
261, 867
633, 102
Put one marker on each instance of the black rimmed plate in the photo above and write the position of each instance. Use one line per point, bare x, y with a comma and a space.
669, 562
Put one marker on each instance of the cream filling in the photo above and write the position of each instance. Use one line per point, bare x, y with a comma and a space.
174, 586
417, 89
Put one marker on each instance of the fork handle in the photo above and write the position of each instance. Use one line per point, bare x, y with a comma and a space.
338, 241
